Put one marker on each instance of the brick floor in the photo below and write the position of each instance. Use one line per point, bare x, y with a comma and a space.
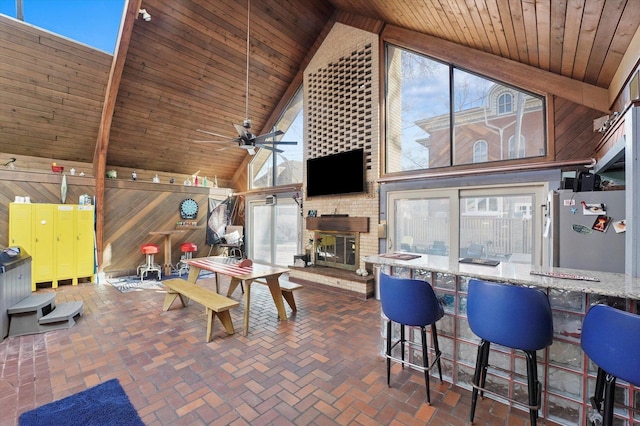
321, 367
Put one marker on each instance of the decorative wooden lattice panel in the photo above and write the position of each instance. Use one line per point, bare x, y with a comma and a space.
339, 106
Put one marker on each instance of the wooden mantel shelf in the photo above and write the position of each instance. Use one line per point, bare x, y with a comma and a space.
338, 223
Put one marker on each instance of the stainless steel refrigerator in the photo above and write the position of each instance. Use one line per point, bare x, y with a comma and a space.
588, 230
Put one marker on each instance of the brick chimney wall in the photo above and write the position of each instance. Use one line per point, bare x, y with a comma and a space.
349, 60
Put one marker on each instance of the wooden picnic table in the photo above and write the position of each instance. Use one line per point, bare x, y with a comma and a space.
242, 275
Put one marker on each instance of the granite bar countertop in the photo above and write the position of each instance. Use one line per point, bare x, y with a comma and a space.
609, 284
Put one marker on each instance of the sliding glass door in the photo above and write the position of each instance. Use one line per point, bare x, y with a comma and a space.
423, 221
500, 223
274, 231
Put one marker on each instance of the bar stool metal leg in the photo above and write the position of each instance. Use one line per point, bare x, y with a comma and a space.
425, 360
480, 375
597, 398
436, 348
389, 339
534, 386
609, 397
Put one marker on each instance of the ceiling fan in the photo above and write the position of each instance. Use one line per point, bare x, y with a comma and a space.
245, 138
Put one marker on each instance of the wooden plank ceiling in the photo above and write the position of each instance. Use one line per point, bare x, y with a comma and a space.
186, 68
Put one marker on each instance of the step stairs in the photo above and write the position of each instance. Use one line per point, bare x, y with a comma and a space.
39, 313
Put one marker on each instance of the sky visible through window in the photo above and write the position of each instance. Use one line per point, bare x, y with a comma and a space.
94, 23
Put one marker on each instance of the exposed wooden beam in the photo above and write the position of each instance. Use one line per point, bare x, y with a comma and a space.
113, 85
630, 62
521, 75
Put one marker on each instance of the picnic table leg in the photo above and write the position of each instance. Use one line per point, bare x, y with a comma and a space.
247, 303
288, 296
276, 294
232, 286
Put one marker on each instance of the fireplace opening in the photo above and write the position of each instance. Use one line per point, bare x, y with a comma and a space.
336, 250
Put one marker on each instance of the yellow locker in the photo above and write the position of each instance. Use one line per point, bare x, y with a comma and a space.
85, 243
64, 242
43, 251
59, 238
21, 226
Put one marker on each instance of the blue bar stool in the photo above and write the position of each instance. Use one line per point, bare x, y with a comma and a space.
515, 317
411, 303
610, 340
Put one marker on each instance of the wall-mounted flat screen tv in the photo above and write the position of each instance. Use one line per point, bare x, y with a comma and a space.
342, 173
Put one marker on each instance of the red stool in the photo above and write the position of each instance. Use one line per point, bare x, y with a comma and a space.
149, 250
187, 249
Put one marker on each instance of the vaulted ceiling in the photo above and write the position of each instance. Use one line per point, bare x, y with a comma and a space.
186, 68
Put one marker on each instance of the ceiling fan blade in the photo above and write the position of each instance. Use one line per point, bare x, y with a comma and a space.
269, 135
211, 133
243, 133
270, 148
278, 142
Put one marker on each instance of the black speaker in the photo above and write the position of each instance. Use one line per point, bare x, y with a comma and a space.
588, 182
568, 183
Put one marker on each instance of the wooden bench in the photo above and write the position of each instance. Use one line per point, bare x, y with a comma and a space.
216, 304
287, 288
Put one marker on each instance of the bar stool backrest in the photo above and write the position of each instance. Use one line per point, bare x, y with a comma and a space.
510, 315
611, 339
408, 301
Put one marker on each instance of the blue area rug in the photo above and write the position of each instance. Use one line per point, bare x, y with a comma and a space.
105, 404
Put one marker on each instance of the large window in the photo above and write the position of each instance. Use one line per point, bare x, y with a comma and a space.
270, 168
436, 114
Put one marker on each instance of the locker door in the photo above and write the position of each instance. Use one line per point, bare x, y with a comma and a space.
65, 242
21, 226
43, 256
85, 253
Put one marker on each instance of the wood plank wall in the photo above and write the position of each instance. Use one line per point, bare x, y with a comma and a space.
133, 209
41, 188
573, 130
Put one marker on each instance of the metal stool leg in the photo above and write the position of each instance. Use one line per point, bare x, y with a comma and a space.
425, 361
609, 397
389, 353
480, 374
535, 388
436, 348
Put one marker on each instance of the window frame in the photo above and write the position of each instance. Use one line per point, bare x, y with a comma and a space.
542, 151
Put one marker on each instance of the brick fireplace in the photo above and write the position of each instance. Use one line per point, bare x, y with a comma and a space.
336, 248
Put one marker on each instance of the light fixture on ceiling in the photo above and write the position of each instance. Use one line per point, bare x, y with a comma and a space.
145, 15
